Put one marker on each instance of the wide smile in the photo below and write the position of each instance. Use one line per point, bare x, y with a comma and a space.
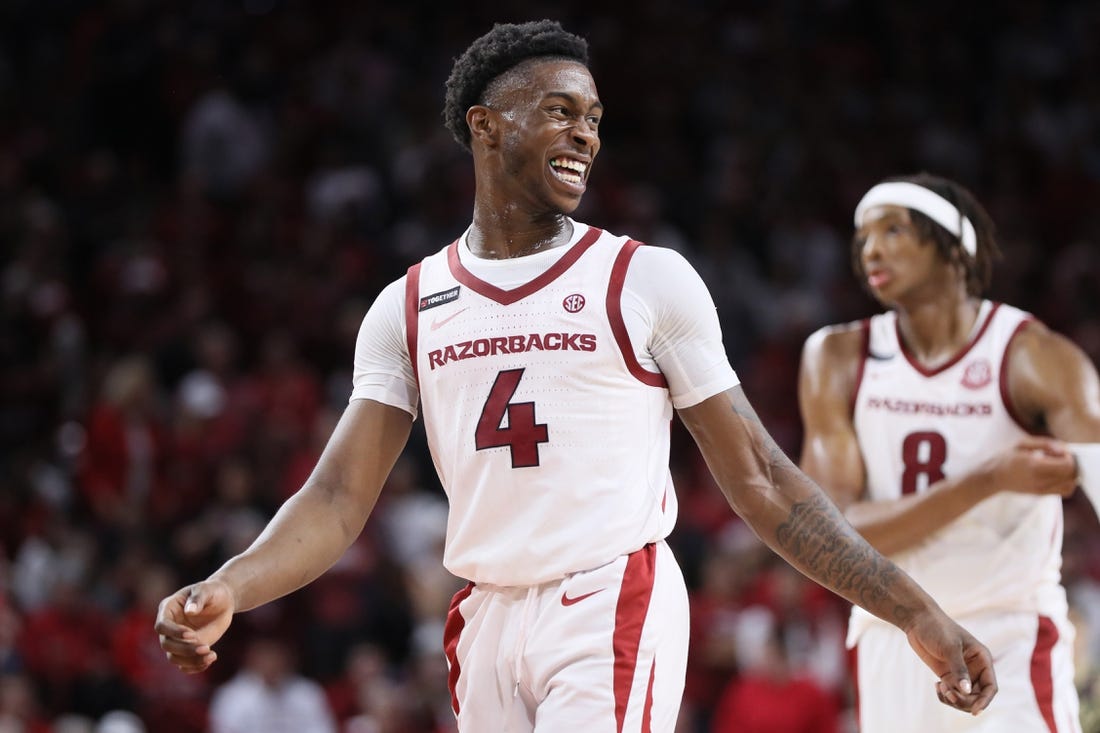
570, 171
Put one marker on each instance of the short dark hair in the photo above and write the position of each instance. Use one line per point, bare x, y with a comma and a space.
978, 268
501, 49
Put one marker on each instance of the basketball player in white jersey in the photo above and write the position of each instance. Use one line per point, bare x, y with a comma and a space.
546, 357
926, 425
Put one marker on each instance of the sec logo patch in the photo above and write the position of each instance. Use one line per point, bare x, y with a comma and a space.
573, 303
977, 374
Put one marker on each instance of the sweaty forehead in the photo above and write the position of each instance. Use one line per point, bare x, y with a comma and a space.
542, 76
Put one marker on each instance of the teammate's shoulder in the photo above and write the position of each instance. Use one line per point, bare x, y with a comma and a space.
1034, 336
836, 342
835, 334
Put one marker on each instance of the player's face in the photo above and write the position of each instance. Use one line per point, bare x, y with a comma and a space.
896, 261
551, 134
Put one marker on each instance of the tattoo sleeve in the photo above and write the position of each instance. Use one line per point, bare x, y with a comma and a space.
792, 514
817, 536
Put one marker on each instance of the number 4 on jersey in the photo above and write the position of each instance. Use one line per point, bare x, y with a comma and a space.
523, 434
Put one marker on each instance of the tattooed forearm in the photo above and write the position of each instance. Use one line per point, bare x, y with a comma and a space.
818, 538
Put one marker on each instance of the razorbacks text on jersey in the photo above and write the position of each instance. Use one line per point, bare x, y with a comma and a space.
550, 439
916, 426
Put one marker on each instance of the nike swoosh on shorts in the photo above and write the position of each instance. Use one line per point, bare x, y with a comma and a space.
567, 601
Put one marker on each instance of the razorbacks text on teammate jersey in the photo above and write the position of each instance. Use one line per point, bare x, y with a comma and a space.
917, 425
548, 436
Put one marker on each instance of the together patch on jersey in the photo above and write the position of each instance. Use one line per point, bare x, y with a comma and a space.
443, 296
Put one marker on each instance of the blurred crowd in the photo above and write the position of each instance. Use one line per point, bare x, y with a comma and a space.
199, 200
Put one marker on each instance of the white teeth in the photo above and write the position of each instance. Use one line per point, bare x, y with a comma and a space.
574, 165
568, 177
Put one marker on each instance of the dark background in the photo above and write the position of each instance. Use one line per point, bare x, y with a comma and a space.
199, 200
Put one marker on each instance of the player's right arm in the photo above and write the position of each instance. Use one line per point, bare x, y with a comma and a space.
831, 454
307, 535
314, 527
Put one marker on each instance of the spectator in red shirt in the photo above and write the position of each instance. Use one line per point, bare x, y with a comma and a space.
65, 648
168, 700
120, 466
769, 696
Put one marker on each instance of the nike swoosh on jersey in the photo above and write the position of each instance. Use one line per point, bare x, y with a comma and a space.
443, 321
880, 357
567, 601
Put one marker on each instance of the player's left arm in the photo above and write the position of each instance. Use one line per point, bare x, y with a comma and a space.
1053, 385
674, 312
791, 513
794, 517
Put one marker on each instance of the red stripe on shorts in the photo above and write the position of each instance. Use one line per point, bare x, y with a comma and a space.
1042, 677
629, 618
451, 631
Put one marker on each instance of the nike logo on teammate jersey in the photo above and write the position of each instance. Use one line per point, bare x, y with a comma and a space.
567, 601
880, 357
440, 323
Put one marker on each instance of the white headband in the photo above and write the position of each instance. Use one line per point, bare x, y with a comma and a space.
929, 203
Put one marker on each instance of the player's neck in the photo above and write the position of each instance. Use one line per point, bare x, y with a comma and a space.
501, 234
935, 331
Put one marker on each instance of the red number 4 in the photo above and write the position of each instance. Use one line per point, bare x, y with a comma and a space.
523, 434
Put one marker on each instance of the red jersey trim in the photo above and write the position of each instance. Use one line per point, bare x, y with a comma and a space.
618, 325
1002, 379
507, 297
925, 371
630, 615
865, 348
412, 315
1042, 677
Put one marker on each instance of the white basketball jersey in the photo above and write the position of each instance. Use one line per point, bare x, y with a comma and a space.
917, 425
550, 439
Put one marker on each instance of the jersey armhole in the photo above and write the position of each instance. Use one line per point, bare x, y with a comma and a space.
618, 325
1002, 379
412, 316
864, 350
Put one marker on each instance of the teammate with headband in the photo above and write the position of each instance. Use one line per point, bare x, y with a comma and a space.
948, 429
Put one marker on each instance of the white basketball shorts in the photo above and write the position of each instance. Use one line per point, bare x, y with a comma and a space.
1032, 657
599, 651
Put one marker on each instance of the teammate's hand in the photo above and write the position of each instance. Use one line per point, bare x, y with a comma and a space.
964, 666
1035, 465
191, 620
